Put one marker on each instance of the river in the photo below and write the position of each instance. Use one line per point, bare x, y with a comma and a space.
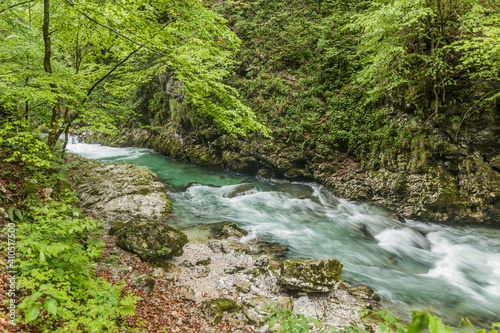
453, 271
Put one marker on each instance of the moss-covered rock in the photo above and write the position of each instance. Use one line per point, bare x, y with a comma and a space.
204, 262
228, 230
214, 309
319, 275
115, 227
152, 241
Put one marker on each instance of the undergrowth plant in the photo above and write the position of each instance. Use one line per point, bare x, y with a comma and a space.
56, 248
284, 320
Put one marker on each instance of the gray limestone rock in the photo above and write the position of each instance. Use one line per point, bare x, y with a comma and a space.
121, 192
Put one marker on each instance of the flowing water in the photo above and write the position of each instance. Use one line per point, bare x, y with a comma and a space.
453, 271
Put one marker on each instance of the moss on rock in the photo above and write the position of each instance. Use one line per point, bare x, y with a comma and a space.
214, 309
228, 230
115, 228
319, 275
152, 241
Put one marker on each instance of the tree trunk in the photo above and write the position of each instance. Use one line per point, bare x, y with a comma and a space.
46, 37
56, 109
56, 114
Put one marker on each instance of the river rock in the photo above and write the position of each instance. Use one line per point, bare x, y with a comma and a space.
214, 309
259, 302
241, 190
152, 241
188, 292
254, 317
361, 231
121, 192
204, 262
319, 275
286, 303
242, 286
143, 281
262, 261
228, 230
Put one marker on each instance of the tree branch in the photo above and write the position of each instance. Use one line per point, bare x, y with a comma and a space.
77, 114
115, 31
18, 4
109, 73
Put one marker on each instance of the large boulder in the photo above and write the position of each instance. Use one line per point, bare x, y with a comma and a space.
319, 275
121, 192
152, 241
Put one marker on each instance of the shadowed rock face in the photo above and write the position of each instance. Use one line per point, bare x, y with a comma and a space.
121, 192
319, 275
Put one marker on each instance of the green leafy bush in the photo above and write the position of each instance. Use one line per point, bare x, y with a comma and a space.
24, 144
56, 247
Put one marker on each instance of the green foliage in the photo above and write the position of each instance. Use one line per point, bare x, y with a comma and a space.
92, 75
326, 85
56, 249
428, 52
286, 321
296, 76
25, 146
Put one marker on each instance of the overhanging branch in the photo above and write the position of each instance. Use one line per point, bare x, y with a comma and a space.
15, 5
115, 31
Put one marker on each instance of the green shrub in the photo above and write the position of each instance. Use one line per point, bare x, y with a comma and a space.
56, 247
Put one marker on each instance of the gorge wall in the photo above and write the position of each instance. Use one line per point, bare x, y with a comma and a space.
458, 183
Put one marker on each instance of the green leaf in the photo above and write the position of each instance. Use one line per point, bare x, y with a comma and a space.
31, 314
34, 297
112, 300
437, 326
51, 306
496, 324
315, 322
19, 214
10, 212
420, 322
60, 271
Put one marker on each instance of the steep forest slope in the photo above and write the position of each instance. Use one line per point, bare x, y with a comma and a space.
393, 102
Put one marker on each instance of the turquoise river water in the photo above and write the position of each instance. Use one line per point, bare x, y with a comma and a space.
451, 270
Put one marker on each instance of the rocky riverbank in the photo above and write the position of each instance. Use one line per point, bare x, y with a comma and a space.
209, 285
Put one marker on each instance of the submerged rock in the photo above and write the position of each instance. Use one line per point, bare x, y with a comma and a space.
319, 275
241, 191
361, 231
152, 241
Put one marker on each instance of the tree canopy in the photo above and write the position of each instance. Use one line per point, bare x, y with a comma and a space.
56, 54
